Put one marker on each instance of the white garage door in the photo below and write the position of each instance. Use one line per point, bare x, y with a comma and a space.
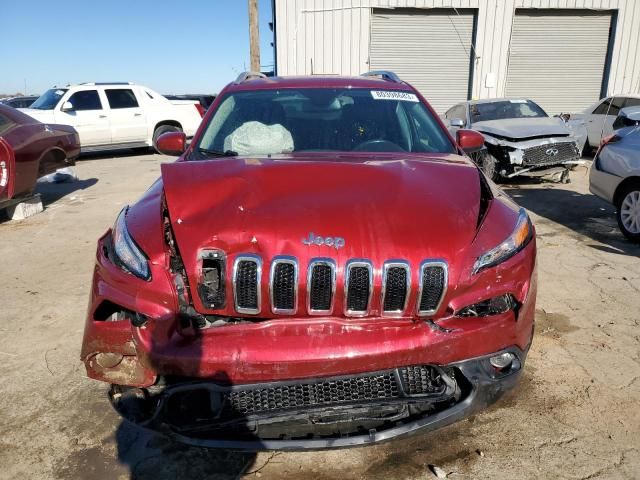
431, 49
558, 58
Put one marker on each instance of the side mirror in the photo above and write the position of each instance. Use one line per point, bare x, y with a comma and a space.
469, 140
171, 143
457, 122
67, 106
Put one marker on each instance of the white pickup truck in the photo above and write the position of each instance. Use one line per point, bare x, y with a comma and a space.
115, 115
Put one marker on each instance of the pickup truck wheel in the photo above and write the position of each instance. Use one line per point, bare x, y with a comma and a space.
628, 212
163, 129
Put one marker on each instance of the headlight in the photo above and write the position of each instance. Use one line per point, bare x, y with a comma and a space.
519, 239
129, 256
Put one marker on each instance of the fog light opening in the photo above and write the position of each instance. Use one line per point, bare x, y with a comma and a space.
109, 360
502, 361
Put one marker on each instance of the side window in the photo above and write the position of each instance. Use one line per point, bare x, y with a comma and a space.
85, 100
602, 108
607, 107
459, 112
632, 102
5, 123
121, 98
456, 112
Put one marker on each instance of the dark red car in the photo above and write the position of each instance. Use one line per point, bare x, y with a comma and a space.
322, 267
30, 149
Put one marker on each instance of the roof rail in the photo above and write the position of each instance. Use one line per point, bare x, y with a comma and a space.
107, 83
244, 76
384, 74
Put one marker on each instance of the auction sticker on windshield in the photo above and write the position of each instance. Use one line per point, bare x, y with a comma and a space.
389, 95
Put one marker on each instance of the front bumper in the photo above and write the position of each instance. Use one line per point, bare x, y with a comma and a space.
476, 384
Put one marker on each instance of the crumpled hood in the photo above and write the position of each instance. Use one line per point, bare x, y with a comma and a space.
393, 209
44, 116
523, 127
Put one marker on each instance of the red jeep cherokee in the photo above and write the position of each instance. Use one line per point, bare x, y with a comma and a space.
322, 267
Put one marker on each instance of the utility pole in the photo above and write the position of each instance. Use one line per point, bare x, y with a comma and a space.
254, 36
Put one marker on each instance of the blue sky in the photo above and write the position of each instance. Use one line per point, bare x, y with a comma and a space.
193, 46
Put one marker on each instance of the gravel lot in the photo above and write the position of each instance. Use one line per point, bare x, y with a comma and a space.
575, 414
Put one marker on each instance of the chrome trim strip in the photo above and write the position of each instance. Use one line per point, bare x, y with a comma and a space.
275, 261
423, 265
248, 257
331, 264
347, 275
385, 270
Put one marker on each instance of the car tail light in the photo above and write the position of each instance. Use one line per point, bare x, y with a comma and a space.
200, 109
609, 139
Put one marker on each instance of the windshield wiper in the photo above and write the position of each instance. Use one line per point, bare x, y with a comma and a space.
218, 153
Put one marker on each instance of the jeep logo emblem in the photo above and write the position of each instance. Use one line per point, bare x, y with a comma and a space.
312, 239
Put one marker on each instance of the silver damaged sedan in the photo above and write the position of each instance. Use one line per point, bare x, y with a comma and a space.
615, 173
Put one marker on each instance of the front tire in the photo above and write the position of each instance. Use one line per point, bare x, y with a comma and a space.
163, 129
487, 163
628, 212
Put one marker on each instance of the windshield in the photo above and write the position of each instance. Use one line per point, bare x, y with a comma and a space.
49, 99
263, 122
481, 112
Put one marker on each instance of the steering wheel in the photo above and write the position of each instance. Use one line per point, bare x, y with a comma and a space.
378, 145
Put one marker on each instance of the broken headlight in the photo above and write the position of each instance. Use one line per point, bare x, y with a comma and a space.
129, 256
519, 239
493, 306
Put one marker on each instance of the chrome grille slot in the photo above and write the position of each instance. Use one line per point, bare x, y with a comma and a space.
358, 286
247, 270
395, 287
321, 286
433, 285
211, 284
284, 285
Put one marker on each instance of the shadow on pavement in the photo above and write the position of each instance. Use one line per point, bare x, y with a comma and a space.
129, 152
152, 456
585, 214
52, 192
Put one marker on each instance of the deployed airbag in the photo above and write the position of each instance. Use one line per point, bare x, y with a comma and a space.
255, 138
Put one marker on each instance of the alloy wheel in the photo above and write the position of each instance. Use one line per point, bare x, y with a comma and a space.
630, 212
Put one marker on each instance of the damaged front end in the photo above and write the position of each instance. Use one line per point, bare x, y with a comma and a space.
172, 327
531, 156
317, 413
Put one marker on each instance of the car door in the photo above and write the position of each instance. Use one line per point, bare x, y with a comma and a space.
128, 121
85, 111
600, 123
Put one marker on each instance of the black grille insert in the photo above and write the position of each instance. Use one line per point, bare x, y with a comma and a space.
283, 286
323, 393
358, 288
421, 380
395, 288
549, 154
321, 287
205, 402
246, 285
433, 286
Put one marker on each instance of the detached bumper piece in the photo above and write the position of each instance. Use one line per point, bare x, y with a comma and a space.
318, 413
